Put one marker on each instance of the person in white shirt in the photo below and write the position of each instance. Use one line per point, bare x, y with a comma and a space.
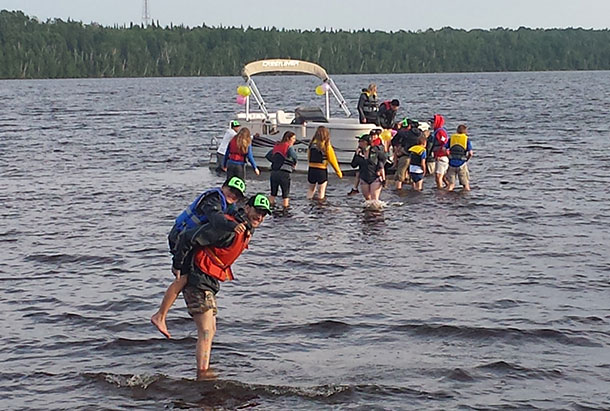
226, 139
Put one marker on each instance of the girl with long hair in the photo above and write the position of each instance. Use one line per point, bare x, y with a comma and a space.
238, 151
319, 155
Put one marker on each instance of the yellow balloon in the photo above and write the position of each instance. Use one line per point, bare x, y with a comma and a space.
386, 135
239, 90
245, 91
319, 90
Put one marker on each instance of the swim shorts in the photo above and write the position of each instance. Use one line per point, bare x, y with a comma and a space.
415, 177
461, 172
402, 167
442, 164
199, 301
317, 175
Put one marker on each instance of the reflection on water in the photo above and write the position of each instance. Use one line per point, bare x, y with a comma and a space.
489, 299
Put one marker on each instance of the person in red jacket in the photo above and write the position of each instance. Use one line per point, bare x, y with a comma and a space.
439, 138
205, 255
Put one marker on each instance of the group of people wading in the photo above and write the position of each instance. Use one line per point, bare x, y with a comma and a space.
214, 230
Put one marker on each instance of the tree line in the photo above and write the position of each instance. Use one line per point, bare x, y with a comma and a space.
63, 49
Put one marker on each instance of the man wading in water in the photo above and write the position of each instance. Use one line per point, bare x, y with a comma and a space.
206, 255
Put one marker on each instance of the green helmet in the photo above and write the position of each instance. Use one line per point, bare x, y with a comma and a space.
237, 183
260, 202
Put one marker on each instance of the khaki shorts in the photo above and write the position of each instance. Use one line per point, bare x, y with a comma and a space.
199, 301
461, 172
442, 164
402, 168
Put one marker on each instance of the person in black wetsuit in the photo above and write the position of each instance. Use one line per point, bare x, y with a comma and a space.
367, 105
370, 161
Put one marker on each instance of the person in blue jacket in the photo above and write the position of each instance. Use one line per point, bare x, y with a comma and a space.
210, 207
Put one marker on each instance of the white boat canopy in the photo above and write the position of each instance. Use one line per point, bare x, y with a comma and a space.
289, 66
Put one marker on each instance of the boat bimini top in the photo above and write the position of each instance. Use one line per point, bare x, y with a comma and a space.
289, 66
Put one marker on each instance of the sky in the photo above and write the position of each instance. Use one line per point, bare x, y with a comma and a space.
389, 15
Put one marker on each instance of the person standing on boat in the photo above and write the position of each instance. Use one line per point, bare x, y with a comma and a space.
319, 155
224, 143
370, 161
205, 255
367, 105
387, 113
283, 160
238, 150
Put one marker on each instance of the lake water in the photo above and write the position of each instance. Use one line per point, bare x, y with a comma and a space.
498, 298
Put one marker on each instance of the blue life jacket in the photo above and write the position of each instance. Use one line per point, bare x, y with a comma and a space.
191, 217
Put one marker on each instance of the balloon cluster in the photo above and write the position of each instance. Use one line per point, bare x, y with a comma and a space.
242, 94
321, 90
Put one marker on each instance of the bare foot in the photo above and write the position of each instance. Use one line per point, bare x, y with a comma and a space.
206, 375
159, 322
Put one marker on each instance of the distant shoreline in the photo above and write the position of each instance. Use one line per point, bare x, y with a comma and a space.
68, 49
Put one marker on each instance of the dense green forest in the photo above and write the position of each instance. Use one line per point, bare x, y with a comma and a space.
56, 48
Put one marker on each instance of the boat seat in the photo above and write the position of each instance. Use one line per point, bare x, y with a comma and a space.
282, 118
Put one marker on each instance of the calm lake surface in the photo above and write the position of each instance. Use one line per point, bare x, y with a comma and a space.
494, 299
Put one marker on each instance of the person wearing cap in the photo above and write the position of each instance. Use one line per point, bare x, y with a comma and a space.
205, 255
209, 207
405, 138
370, 161
222, 147
387, 113
424, 127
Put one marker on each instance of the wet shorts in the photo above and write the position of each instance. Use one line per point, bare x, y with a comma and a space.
199, 301
415, 177
402, 167
442, 164
317, 175
460, 172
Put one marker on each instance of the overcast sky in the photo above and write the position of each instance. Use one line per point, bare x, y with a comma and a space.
388, 15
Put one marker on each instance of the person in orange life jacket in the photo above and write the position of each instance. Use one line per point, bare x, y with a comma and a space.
375, 141
387, 112
319, 155
209, 207
417, 163
283, 160
460, 151
436, 149
370, 161
405, 138
238, 150
224, 143
205, 255
367, 105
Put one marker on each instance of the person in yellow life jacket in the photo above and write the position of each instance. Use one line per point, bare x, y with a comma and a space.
417, 164
319, 155
205, 255
460, 151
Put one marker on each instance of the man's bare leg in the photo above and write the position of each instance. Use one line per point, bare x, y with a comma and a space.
206, 328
